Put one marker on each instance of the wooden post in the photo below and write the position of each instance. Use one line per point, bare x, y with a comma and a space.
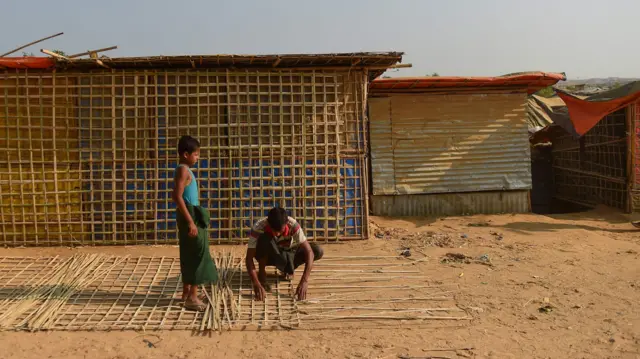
631, 155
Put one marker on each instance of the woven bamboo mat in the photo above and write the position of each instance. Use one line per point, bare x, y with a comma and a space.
102, 292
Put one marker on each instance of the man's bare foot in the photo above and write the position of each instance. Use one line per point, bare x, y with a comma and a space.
286, 277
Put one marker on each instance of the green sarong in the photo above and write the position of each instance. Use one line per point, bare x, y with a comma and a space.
196, 264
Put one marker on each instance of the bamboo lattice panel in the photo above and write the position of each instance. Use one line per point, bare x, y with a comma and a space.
92, 292
595, 171
89, 158
377, 291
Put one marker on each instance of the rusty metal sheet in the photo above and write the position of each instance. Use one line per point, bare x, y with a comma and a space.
451, 204
450, 143
381, 144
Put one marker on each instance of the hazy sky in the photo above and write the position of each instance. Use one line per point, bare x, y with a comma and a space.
583, 38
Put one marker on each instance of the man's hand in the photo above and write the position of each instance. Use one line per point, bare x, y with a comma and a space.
193, 230
301, 292
259, 292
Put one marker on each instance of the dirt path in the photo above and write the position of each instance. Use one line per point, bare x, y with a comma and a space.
585, 268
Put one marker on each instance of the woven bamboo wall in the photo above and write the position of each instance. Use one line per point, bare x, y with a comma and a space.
89, 158
633, 120
595, 171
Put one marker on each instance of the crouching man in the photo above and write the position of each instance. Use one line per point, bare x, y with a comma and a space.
279, 241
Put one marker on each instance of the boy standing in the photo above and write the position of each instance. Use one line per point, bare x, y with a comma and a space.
279, 241
196, 265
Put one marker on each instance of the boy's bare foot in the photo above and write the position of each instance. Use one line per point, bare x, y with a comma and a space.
195, 307
202, 297
196, 304
185, 292
185, 295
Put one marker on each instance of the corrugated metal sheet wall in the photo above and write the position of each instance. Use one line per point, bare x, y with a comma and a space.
451, 204
429, 143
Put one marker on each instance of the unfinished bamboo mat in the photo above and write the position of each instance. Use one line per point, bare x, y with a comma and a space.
89, 158
381, 290
100, 292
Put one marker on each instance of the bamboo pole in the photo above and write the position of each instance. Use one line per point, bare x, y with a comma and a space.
31, 43
386, 317
56, 55
631, 140
89, 52
55, 160
31, 164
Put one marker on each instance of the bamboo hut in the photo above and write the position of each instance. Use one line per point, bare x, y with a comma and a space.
595, 149
88, 146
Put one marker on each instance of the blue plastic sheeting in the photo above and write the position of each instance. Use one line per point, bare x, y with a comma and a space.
235, 192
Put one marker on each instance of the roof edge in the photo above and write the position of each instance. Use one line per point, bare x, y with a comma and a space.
529, 81
355, 59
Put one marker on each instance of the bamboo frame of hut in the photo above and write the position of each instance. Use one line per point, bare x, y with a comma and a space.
87, 157
595, 170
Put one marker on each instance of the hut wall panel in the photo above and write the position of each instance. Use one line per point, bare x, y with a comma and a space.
381, 145
450, 143
291, 138
593, 170
451, 204
40, 183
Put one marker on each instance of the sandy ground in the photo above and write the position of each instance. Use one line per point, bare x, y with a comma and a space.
584, 267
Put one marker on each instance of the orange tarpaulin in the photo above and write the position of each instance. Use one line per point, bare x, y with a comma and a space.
531, 81
585, 114
26, 62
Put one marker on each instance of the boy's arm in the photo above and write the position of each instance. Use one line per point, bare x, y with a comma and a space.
181, 181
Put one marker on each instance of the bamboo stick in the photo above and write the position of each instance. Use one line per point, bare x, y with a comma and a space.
30, 287
392, 309
31, 43
33, 295
55, 161
129, 303
387, 317
146, 296
156, 145
368, 300
315, 149
207, 312
31, 166
89, 52
70, 324
56, 55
